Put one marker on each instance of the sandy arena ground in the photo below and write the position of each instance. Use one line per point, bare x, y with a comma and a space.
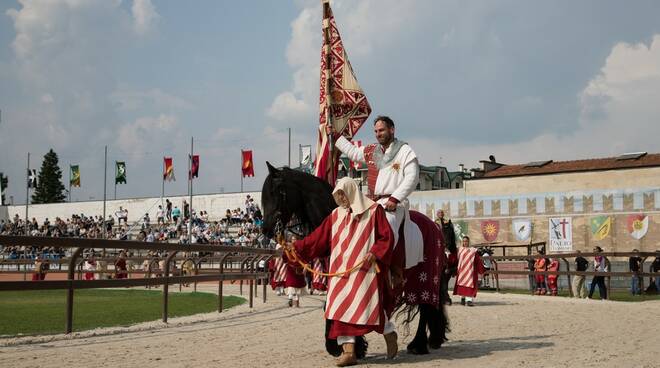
500, 331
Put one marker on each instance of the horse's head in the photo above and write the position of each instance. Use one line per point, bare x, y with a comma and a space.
280, 199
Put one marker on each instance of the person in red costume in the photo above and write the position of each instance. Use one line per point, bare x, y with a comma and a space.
540, 265
360, 301
470, 267
552, 279
294, 281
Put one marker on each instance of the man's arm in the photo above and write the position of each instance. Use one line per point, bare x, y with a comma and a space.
353, 152
410, 180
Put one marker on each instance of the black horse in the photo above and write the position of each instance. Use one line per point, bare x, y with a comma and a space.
289, 194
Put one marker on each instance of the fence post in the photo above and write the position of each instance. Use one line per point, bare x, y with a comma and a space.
570, 285
497, 277
166, 285
71, 273
265, 280
221, 282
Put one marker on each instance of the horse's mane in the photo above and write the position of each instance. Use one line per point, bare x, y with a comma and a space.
317, 194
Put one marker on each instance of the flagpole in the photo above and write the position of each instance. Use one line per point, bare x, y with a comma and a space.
289, 147
242, 163
116, 168
191, 194
27, 194
328, 77
105, 182
162, 193
69, 182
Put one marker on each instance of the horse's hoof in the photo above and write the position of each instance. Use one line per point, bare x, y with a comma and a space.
435, 345
417, 349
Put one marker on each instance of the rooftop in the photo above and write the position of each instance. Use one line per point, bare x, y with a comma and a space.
625, 161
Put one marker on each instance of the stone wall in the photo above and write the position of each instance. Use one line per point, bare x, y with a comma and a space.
215, 204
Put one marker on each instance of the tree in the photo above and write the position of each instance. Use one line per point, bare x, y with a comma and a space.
4, 181
49, 185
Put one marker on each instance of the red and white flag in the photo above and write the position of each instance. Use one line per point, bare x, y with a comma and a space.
168, 169
247, 166
341, 99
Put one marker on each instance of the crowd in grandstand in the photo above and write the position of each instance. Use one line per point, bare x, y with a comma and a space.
240, 226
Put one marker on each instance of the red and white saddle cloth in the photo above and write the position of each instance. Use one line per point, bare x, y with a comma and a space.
280, 271
466, 257
353, 298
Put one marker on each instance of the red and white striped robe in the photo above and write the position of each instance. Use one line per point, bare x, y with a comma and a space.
319, 282
279, 273
355, 301
469, 269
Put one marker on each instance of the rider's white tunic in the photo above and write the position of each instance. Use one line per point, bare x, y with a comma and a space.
398, 179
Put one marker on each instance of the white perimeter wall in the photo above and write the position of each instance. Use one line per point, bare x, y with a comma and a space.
215, 204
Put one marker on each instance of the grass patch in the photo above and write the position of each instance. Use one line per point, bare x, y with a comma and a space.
617, 295
44, 311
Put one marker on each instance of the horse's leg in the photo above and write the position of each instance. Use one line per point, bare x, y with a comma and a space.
437, 327
419, 344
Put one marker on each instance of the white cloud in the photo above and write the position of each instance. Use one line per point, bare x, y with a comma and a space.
131, 100
144, 16
620, 113
139, 135
362, 21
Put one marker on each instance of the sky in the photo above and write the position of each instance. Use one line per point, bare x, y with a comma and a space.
521, 80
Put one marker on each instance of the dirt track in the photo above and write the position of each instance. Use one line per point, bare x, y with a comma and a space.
500, 331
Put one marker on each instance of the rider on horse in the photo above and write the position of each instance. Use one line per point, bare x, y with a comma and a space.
393, 173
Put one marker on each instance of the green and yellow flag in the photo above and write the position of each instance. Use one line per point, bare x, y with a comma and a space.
120, 172
600, 227
74, 177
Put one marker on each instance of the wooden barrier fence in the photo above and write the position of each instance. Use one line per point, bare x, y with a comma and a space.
247, 257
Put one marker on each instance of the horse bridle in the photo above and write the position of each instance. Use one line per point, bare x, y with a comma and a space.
281, 229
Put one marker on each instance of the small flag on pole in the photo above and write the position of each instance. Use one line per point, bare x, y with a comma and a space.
120, 172
248, 165
32, 178
168, 173
194, 168
342, 102
75, 176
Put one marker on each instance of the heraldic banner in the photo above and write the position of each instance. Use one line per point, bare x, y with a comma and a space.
341, 101
560, 230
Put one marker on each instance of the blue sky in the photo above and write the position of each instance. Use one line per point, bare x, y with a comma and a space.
520, 80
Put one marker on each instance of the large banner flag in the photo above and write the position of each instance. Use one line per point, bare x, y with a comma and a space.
306, 163
522, 228
247, 166
32, 178
341, 98
120, 172
168, 169
600, 227
638, 225
3, 188
560, 230
74, 176
194, 167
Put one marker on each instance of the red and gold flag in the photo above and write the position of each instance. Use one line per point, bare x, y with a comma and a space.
247, 167
341, 99
168, 169
194, 167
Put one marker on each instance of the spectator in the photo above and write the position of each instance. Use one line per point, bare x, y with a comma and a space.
160, 216
122, 214
600, 265
90, 267
146, 221
540, 265
634, 265
120, 266
655, 268
581, 265
168, 207
176, 213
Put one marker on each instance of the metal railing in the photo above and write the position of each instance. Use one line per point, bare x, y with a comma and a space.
247, 258
496, 272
